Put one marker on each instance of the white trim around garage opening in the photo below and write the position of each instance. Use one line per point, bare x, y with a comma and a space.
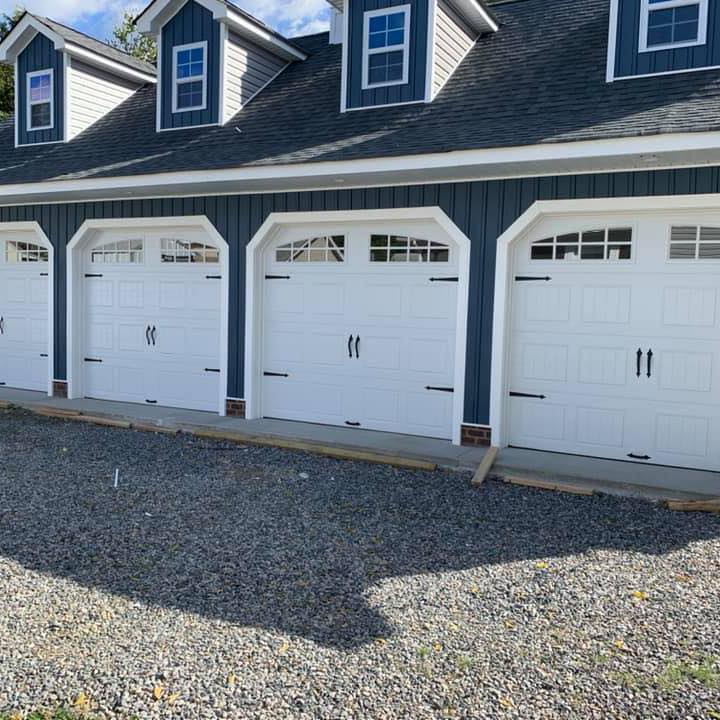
42, 239
87, 231
254, 292
503, 275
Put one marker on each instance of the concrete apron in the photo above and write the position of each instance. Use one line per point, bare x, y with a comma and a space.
351, 443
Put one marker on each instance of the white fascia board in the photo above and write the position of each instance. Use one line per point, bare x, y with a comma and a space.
109, 65
478, 16
259, 35
151, 20
673, 150
22, 34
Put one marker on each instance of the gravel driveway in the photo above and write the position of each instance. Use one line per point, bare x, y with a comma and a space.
221, 581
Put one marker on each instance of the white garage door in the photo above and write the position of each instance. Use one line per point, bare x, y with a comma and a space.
152, 306
615, 347
359, 327
24, 324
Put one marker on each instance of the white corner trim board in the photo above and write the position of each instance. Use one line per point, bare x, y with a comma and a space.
85, 234
276, 222
540, 210
42, 239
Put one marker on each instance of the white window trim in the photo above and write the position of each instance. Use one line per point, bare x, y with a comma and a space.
367, 52
646, 8
179, 81
29, 102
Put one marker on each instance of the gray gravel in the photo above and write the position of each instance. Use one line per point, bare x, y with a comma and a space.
221, 581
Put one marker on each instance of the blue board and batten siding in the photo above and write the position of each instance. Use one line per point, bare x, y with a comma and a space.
40, 54
630, 62
482, 210
414, 90
193, 23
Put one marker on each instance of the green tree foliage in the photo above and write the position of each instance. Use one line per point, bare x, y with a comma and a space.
125, 37
7, 81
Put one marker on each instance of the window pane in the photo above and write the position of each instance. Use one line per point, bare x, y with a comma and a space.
40, 115
378, 23
660, 17
593, 252
620, 235
396, 37
189, 94
688, 12
686, 32
541, 252
396, 20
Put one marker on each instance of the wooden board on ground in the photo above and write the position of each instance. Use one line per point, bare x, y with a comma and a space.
485, 465
542, 484
711, 506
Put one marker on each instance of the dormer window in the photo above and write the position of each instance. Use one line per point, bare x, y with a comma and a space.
668, 24
386, 47
40, 100
190, 77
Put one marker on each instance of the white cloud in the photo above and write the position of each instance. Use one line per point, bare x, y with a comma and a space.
98, 17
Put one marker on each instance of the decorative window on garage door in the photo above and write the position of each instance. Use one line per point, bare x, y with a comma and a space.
606, 244
184, 251
129, 252
328, 248
25, 252
689, 242
399, 248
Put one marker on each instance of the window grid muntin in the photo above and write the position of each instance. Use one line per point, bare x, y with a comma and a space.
322, 248
17, 251
612, 244
187, 252
402, 248
694, 242
40, 101
649, 7
190, 76
388, 65
130, 251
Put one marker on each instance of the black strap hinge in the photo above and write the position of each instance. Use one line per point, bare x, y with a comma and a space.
91, 275
444, 279
531, 278
440, 389
215, 370
213, 277
274, 374
43, 274
527, 395
95, 360
277, 277
43, 354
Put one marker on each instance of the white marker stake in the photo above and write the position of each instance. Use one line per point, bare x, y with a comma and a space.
117, 477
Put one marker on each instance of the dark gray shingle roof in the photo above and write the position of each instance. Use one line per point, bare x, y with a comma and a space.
540, 79
95, 46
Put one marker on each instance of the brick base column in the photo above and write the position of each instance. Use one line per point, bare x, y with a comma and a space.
475, 435
235, 408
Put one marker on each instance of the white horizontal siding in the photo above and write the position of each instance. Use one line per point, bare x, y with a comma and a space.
93, 94
248, 69
453, 40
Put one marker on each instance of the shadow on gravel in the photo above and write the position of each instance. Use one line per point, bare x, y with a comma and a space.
241, 535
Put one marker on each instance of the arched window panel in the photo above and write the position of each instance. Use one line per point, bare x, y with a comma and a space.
606, 244
401, 248
24, 252
326, 248
689, 242
173, 250
119, 252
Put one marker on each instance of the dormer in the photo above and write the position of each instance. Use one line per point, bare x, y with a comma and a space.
65, 81
213, 58
658, 37
404, 51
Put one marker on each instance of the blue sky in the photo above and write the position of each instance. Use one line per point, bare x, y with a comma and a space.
98, 17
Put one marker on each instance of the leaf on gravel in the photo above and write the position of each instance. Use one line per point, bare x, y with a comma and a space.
437, 647
172, 699
82, 702
158, 691
475, 590
639, 595
510, 624
542, 565
231, 679
506, 702
284, 647
380, 641
620, 645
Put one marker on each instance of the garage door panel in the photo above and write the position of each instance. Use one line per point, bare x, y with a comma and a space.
328, 402
131, 294
284, 298
432, 355
99, 292
180, 388
602, 399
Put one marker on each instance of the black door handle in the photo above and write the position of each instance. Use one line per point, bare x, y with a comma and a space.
357, 347
350, 339
649, 367
147, 334
639, 360
152, 334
